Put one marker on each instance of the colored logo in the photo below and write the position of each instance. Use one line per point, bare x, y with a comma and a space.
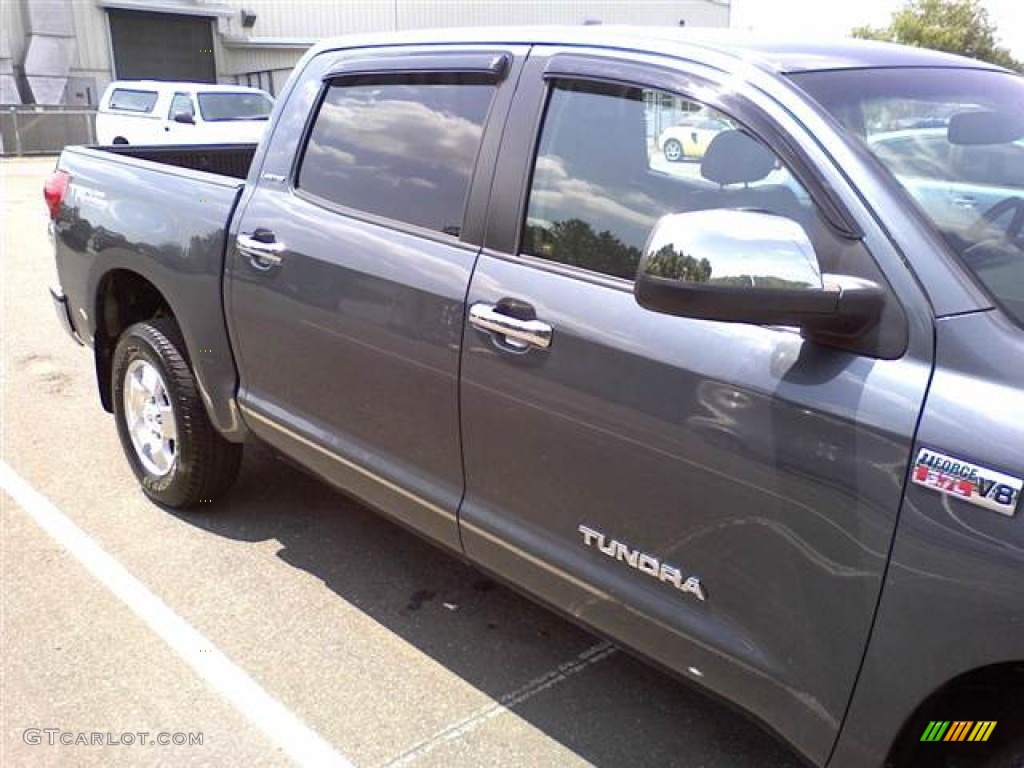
973, 483
959, 730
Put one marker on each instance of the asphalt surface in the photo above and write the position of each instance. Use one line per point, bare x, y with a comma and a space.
390, 650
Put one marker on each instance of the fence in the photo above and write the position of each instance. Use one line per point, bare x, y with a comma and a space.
43, 130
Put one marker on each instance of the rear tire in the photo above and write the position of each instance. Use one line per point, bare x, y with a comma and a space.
178, 457
120, 140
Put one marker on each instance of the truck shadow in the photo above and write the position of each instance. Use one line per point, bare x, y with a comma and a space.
615, 711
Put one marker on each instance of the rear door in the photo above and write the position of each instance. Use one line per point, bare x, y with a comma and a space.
721, 497
350, 267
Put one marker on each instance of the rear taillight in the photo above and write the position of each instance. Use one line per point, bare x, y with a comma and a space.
54, 190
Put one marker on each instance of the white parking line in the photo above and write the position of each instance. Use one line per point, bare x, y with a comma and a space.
538, 685
296, 739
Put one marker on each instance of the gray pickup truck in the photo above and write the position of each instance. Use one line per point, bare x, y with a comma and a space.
755, 413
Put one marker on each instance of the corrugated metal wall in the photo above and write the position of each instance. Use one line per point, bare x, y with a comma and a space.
321, 18
477, 12
316, 19
233, 61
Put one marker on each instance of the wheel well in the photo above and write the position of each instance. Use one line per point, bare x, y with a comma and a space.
123, 299
987, 693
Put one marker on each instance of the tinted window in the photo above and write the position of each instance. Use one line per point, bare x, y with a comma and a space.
612, 160
915, 153
181, 103
126, 100
403, 150
928, 154
215, 107
954, 138
1000, 165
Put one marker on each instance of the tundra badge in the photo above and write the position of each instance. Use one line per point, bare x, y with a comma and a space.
643, 562
973, 483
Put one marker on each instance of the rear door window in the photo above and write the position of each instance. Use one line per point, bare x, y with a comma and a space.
128, 100
403, 149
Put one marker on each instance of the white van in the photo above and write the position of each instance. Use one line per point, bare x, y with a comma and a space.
158, 112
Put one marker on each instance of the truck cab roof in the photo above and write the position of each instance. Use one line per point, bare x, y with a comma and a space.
778, 55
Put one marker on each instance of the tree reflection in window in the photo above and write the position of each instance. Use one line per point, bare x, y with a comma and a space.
574, 242
402, 149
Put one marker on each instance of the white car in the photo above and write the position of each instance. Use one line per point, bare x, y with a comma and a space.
157, 112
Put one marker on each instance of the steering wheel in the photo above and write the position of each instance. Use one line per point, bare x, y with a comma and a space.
1016, 204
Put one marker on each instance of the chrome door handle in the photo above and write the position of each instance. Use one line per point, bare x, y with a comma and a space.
520, 334
262, 255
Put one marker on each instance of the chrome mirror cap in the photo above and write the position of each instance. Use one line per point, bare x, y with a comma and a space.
736, 248
742, 266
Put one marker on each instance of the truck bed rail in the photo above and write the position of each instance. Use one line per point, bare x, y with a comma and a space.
224, 159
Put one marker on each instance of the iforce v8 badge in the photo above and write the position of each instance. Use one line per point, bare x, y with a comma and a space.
974, 484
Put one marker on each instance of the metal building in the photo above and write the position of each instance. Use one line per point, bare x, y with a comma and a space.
66, 51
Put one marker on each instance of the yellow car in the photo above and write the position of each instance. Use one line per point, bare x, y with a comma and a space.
689, 141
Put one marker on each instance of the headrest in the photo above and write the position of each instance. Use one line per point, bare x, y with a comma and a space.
733, 157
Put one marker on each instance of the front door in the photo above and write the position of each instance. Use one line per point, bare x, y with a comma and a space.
180, 133
720, 496
348, 281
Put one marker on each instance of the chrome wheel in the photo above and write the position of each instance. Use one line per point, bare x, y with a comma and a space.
149, 416
673, 151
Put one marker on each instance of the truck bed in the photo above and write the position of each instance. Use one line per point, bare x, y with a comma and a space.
160, 215
223, 159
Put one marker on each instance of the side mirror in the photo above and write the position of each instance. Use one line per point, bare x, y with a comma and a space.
741, 266
184, 117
